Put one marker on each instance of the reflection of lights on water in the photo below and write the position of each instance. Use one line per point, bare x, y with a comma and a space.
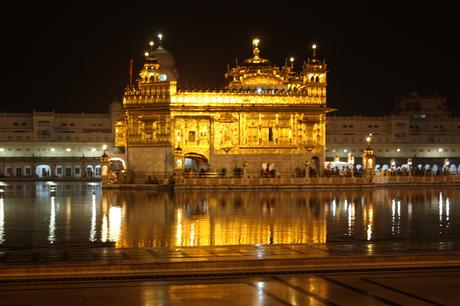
444, 208
2, 221
395, 216
260, 292
111, 225
260, 250
393, 209
92, 232
351, 216
52, 226
409, 210
114, 223
179, 227
192, 234
447, 210
104, 232
440, 208
369, 232
370, 223
68, 218
370, 249
334, 207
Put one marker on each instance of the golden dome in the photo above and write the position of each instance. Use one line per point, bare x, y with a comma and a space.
255, 73
167, 64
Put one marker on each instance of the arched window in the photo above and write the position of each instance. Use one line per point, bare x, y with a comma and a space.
317, 79
270, 134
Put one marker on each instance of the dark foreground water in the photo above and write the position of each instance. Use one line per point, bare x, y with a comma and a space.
81, 213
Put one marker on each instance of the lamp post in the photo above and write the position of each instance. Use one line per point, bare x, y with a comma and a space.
369, 158
105, 167
351, 160
446, 165
392, 165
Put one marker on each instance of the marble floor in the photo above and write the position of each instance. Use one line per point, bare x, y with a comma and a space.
406, 287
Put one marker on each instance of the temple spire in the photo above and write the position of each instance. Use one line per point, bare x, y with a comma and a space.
256, 59
255, 48
151, 44
150, 54
160, 38
313, 47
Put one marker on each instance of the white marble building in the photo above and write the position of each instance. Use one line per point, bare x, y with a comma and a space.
55, 145
420, 128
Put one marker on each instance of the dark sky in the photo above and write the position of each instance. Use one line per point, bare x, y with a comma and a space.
75, 57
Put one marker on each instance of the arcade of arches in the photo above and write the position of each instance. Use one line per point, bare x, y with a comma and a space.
48, 168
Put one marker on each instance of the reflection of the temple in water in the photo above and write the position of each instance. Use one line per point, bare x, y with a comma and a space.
143, 219
210, 218
204, 218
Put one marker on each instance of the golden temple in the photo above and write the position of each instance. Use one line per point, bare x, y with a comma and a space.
267, 120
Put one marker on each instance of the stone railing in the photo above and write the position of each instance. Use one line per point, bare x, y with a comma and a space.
286, 182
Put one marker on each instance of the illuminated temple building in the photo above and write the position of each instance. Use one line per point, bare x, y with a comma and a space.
266, 119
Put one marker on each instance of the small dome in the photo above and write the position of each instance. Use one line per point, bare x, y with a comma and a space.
167, 63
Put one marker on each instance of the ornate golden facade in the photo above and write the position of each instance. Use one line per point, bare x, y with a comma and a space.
265, 118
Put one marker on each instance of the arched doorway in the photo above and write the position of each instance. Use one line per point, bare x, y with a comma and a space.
116, 167
43, 171
117, 164
89, 171
315, 167
195, 162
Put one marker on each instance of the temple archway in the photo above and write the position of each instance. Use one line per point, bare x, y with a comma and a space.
117, 164
195, 162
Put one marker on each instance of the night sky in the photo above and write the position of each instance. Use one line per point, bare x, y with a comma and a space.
75, 57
